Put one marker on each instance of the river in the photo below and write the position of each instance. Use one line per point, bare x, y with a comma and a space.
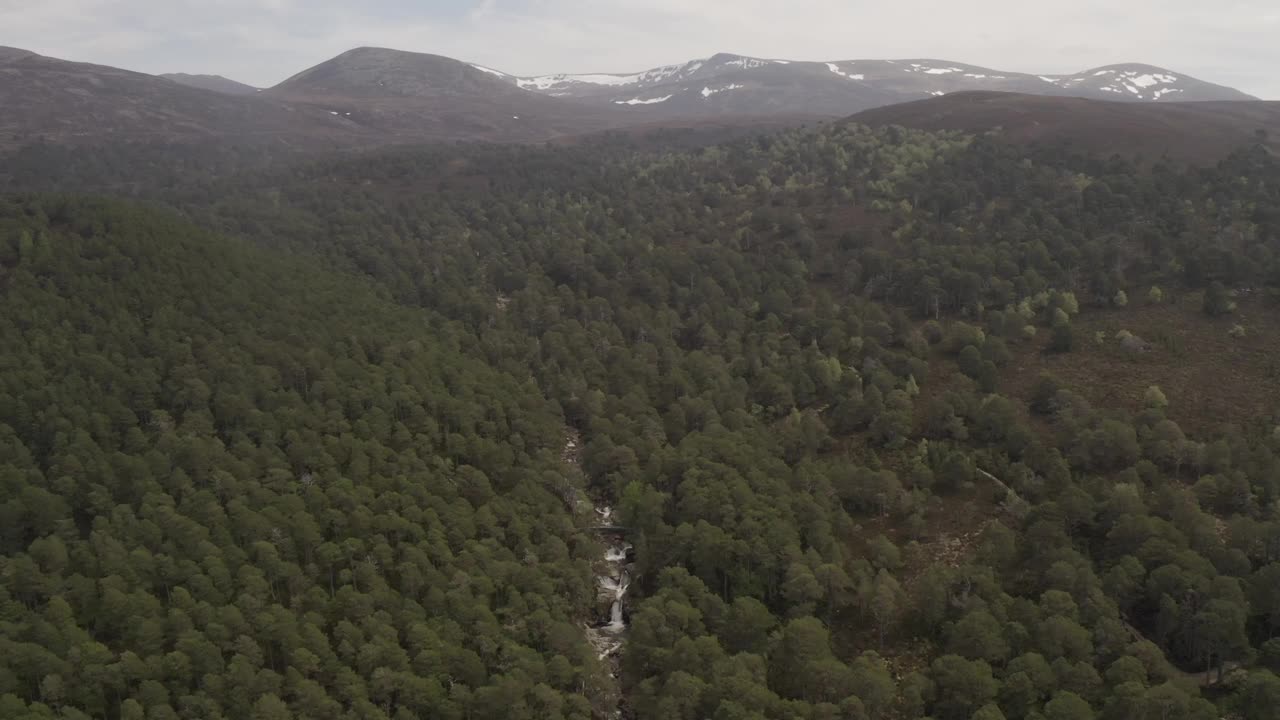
613, 579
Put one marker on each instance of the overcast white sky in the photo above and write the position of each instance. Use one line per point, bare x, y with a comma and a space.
1232, 42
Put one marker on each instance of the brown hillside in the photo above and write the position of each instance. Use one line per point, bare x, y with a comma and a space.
56, 100
416, 96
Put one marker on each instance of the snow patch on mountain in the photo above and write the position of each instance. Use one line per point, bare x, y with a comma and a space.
852, 76
657, 75
1149, 80
919, 68
559, 84
491, 71
708, 92
746, 63
547, 82
640, 101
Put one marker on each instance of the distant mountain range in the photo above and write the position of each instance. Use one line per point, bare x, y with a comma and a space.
372, 96
737, 84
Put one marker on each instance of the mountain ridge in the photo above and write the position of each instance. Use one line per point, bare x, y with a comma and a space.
216, 83
728, 83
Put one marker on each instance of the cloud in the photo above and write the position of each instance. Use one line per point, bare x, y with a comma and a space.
262, 42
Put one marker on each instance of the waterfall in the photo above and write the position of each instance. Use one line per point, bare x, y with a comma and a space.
613, 580
619, 588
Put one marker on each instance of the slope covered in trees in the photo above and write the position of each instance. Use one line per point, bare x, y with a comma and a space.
236, 485
794, 365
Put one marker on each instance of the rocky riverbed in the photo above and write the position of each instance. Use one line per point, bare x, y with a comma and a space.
613, 579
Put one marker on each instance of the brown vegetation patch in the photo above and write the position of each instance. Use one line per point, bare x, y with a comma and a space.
1210, 378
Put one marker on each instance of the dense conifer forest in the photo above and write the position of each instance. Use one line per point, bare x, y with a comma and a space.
901, 425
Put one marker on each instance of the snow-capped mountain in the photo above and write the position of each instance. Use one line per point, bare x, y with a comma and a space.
726, 84
1143, 82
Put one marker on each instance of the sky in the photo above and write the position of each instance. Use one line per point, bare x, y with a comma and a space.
1231, 42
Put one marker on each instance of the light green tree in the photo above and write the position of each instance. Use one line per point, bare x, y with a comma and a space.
1155, 399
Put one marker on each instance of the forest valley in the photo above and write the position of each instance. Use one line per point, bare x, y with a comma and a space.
900, 425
